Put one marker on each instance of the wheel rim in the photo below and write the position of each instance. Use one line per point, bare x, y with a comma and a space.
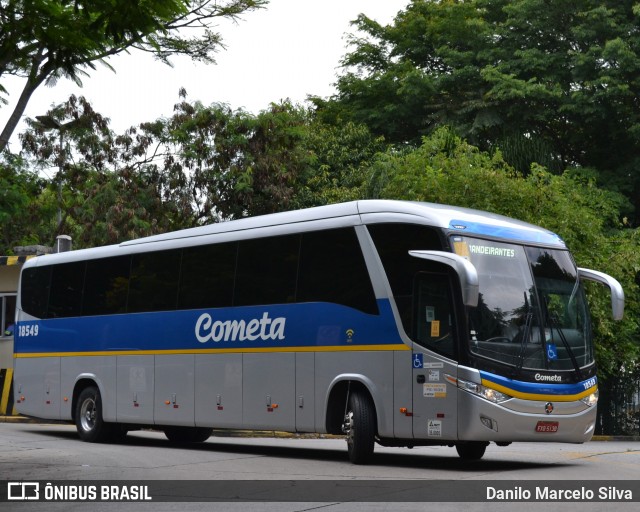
347, 428
88, 414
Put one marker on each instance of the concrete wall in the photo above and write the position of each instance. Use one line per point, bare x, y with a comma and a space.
9, 275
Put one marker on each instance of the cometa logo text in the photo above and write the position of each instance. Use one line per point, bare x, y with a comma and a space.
548, 378
264, 328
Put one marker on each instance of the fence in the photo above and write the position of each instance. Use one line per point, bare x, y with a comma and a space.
619, 404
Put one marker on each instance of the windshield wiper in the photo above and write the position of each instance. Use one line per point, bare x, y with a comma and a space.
525, 335
555, 324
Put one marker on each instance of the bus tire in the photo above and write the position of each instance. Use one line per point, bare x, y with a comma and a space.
360, 427
187, 435
473, 450
89, 423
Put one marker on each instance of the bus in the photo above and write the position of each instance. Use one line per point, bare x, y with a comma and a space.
390, 322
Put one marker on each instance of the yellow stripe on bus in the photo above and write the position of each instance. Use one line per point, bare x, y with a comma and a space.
536, 396
354, 348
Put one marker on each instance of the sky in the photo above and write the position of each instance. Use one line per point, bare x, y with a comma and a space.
289, 50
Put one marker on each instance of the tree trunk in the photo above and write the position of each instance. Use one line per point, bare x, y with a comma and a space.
19, 109
37, 75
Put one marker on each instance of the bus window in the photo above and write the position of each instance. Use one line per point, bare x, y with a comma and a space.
332, 269
393, 243
207, 276
35, 284
433, 313
267, 271
154, 281
67, 281
106, 286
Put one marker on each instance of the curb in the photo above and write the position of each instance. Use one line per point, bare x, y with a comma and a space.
15, 419
615, 438
25, 419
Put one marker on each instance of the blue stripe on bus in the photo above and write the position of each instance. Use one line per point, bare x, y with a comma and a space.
261, 327
507, 232
539, 388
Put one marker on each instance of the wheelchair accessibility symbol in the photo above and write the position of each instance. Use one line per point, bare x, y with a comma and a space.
552, 352
417, 361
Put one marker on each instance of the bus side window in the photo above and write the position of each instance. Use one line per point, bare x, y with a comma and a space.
207, 276
393, 243
433, 313
35, 284
106, 286
267, 271
332, 269
154, 281
67, 281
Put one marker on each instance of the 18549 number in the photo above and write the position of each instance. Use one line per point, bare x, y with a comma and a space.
28, 330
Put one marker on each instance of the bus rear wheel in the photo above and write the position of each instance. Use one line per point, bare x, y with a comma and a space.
360, 427
186, 435
89, 423
473, 450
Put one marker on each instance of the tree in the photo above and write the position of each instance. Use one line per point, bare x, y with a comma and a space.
201, 165
44, 40
19, 209
232, 163
339, 156
101, 195
549, 82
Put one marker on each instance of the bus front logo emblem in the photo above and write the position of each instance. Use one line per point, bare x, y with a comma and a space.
548, 408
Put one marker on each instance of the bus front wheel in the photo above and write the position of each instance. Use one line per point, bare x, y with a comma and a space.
89, 423
473, 450
360, 427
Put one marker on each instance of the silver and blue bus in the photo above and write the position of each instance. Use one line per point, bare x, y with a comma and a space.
390, 322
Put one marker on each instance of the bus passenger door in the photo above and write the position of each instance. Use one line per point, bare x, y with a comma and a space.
434, 350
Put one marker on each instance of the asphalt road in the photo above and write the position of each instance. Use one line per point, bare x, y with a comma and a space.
52, 452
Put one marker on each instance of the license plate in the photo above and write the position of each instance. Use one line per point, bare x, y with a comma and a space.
547, 426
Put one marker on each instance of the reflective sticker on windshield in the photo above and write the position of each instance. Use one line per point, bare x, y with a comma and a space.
461, 248
435, 328
487, 250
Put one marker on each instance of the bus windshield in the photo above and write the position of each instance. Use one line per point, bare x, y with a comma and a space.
532, 312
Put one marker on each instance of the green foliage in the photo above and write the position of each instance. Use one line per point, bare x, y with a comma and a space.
102, 195
18, 211
201, 165
339, 157
109, 207
554, 83
230, 163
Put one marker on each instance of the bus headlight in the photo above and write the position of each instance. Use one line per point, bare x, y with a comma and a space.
591, 400
482, 391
